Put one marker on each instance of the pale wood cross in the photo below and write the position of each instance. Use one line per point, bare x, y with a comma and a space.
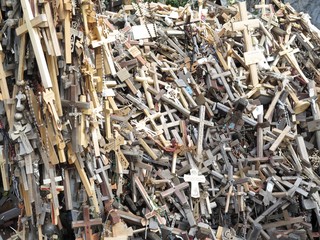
36, 42
244, 26
195, 179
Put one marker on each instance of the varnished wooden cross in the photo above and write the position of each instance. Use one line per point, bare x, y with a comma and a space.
244, 26
87, 223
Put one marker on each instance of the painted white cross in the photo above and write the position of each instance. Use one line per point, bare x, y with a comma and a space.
195, 179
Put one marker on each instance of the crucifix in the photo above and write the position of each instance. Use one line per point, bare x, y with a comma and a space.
244, 25
87, 223
195, 179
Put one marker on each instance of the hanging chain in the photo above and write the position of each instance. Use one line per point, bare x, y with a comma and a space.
145, 22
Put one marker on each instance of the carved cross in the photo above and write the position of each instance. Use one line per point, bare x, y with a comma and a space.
87, 223
75, 114
20, 132
195, 179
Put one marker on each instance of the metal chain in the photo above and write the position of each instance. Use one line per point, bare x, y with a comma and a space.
46, 147
145, 22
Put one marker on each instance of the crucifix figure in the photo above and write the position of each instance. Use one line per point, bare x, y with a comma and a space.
87, 223
195, 179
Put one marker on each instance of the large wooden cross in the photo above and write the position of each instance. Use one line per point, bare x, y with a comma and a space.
244, 26
36, 43
87, 223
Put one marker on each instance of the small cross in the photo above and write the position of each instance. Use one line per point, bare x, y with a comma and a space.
87, 223
195, 179
307, 40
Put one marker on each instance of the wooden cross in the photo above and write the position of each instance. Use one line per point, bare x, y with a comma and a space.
307, 40
102, 170
36, 43
244, 26
222, 75
278, 141
195, 179
87, 223
262, 6
177, 190
288, 52
144, 194
114, 145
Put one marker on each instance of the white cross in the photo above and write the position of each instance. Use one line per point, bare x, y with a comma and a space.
195, 179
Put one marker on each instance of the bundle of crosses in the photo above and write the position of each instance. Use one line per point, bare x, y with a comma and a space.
158, 122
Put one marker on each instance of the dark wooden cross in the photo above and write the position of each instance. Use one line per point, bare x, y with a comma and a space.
87, 223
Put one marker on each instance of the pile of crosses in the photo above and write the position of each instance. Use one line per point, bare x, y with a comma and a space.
158, 122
